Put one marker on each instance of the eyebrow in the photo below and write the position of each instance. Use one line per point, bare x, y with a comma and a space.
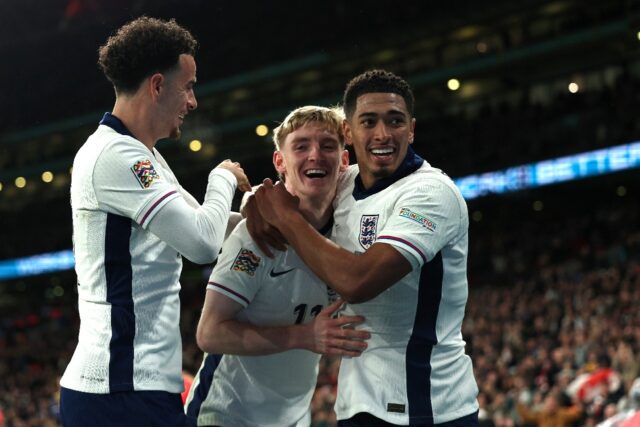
392, 112
329, 137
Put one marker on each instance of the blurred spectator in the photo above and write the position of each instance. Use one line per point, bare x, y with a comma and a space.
552, 413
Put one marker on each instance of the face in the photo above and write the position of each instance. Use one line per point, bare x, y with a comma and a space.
380, 131
311, 159
176, 97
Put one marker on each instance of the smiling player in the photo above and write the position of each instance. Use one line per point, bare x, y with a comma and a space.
265, 319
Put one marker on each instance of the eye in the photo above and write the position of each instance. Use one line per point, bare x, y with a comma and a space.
397, 121
330, 146
368, 122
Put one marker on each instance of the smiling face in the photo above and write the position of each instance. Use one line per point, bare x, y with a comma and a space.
310, 160
380, 131
177, 97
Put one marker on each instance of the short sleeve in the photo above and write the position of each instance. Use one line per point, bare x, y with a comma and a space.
240, 267
425, 219
130, 182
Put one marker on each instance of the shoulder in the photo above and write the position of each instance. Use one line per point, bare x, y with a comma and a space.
346, 179
241, 239
428, 178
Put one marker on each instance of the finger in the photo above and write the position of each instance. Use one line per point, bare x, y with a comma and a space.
244, 185
267, 182
273, 242
276, 244
348, 345
264, 248
346, 320
279, 238
355, 334
329, 310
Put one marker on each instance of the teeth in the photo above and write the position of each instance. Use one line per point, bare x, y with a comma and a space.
315, 173
388, 150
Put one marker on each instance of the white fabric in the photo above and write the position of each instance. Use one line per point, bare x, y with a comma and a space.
424, 216
273, 390
127, 275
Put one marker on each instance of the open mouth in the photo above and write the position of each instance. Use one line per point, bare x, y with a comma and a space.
383, 151
315, 173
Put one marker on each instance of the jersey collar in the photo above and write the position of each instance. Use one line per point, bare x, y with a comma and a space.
116, 124
410, 164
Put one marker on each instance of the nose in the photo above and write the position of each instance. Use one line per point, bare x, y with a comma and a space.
192, 103
381, 133
314, 152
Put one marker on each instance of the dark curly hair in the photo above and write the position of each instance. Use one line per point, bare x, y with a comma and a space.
373, 81
141, 48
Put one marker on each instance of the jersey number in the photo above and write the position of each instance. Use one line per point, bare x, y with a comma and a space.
301, 311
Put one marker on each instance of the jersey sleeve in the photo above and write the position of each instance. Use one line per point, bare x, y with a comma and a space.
240, 268
425, 219
128, 182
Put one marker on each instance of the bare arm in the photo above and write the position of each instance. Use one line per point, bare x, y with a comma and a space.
264, 234
219, 332
357, 278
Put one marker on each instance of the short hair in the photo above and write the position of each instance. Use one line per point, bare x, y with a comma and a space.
329, 118
374, 81
141, 48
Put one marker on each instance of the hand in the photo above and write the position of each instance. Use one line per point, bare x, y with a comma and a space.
263, 233
273, 201
238, 172
336, 336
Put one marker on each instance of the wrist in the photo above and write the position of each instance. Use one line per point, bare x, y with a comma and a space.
297, 337
288, 222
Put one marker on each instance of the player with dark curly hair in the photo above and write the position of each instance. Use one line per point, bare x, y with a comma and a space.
132, 223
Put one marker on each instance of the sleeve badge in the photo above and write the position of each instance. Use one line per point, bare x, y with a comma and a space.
145, 173
246, 262
419, 218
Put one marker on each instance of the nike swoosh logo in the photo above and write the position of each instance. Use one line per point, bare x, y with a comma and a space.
273, 273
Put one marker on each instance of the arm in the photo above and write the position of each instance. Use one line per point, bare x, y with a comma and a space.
357, 278
264, 234
219, 332
197, 233
129, 182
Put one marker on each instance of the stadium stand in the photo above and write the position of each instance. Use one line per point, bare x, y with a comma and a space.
554, 272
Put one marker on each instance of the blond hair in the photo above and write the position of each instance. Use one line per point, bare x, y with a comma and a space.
329, 118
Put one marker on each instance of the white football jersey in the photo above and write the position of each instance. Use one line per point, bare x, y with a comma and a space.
273, 390
415, 369
128, 284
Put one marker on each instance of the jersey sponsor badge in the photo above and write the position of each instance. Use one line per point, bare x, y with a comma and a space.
396, 407
419, 218
145, 173
246, 262
368, 230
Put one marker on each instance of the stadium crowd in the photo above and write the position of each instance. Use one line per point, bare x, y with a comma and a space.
552, 316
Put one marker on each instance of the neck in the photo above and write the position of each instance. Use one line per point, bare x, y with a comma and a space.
316, 210
318, 214
135, 115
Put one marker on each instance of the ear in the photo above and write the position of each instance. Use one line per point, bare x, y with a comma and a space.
346, 130
278, 162
155, 85
344, 161
412, 130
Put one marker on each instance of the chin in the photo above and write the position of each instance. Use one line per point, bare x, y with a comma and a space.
175, 133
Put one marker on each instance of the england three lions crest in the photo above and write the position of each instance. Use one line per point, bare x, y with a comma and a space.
368, 230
